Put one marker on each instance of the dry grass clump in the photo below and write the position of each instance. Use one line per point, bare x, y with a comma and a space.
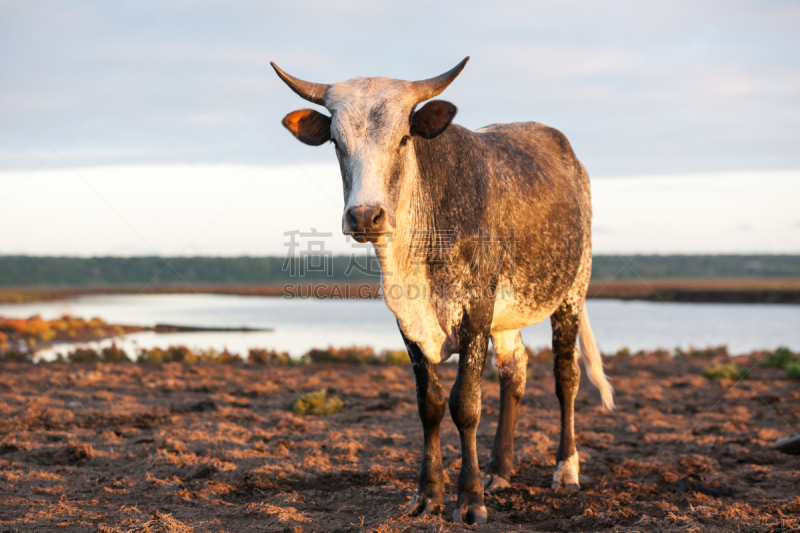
162, 523
725, 370
317, 403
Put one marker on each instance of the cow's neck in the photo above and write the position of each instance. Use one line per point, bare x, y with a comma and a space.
421, 217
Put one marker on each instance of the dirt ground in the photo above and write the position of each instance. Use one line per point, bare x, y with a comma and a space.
126, 447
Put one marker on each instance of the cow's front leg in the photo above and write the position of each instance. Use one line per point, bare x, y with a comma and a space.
430, 402
511, 362
465, 408
565, 323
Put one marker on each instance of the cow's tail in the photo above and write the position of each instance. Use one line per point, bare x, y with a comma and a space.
594, 362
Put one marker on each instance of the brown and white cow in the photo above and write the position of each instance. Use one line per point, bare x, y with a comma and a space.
490, 231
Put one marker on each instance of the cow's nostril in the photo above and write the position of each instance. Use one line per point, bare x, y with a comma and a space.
376, 218
352, 218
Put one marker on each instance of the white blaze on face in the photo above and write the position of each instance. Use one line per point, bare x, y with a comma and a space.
370, 116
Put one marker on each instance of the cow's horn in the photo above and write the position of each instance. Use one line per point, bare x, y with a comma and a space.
313, 92
427, 89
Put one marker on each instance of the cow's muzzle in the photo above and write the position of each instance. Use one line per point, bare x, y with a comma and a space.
366, 222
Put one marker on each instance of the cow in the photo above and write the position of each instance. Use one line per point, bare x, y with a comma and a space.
478, 234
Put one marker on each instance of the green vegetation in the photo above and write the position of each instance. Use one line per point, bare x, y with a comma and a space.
626, 267
661, 352
784, 358
317, 403
31, 271
780, 358
725, 370
793, 370
353, 355
182, 354
704, 353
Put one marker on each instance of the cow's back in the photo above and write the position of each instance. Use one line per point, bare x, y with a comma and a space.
539, 193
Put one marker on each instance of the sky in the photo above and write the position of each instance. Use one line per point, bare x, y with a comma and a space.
142, 127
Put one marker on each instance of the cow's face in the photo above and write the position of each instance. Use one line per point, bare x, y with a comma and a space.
373, 126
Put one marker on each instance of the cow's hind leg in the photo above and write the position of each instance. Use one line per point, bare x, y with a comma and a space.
565, 323
431, 405
511, 362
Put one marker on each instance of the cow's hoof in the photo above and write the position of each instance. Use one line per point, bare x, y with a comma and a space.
424, 506
569, 486
471, 515
566, 475
494, 483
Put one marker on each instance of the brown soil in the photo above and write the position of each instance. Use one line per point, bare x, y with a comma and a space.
126, 447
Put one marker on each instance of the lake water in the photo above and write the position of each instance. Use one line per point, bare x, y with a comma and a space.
303, 324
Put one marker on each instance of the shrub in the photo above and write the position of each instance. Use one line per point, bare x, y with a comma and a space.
541, 355
793, 370
707, 353
83, 355
112, 354
16, 355
173, 354
400, 357
780, 358
353, 355
725, 370
263, 357
152, 355
317, 403
182, 354
220, 358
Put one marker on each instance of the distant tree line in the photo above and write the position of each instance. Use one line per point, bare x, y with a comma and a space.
29, 271
624, 267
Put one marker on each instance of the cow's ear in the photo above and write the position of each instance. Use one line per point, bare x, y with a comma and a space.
432, 119
309, 126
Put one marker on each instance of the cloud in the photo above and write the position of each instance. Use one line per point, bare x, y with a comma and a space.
676, 94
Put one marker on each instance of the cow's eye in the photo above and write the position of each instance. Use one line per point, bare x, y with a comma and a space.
405, 140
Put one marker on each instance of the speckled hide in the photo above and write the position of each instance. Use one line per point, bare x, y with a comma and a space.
479, 234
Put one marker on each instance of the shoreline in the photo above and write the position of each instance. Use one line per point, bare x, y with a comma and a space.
741, 290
